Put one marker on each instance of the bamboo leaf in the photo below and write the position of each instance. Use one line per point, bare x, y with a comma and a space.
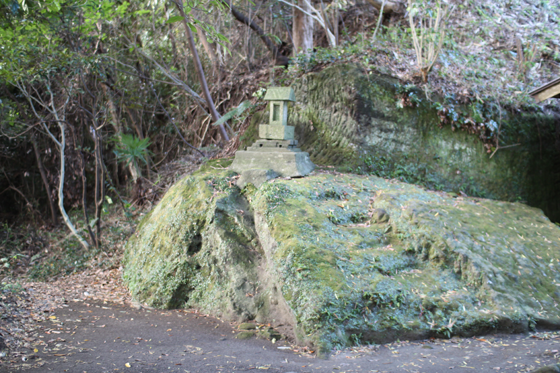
233, 113
175, 19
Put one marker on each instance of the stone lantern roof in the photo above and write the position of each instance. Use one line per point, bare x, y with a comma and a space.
280, 94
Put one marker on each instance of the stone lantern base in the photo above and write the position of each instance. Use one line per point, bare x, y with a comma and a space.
281, 156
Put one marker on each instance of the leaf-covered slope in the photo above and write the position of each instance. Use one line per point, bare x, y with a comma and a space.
345, 258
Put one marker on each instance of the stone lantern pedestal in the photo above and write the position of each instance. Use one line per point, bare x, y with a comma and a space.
277, 149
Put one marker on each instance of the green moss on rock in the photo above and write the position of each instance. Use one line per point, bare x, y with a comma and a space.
357, 122
314, 254
245, 335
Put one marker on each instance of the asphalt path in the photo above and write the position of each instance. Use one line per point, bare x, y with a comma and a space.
92, 337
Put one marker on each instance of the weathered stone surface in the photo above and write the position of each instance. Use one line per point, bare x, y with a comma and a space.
267, 144
275, 146
356, 121
245, 335
279, 98
379, 216
247, 326
276, 132
255, 177
307, 253
280, 94
277, 149
286, 162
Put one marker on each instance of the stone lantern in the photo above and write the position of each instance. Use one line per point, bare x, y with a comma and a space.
276, 153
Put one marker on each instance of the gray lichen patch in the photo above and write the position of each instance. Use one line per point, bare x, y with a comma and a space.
347, 259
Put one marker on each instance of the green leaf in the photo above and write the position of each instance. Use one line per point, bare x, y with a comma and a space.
175, 19
233, 113
92, 222
222, 37
122, 8
131, 149
53, 6
275, 38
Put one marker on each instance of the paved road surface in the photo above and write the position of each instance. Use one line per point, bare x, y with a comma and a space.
100, 337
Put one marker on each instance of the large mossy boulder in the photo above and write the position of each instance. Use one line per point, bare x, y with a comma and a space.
373, 123
344, 258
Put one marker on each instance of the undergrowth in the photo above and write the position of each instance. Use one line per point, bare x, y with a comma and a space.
42, 254
480, 59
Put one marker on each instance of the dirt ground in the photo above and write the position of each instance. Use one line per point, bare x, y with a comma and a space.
87, 323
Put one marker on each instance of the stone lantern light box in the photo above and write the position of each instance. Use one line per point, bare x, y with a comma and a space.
277, 127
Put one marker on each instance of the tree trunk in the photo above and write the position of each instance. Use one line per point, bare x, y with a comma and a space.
210, 49
62, 148
200, 73
99, 183
302, 31
335, 25
84, 200
44, 177
279, 58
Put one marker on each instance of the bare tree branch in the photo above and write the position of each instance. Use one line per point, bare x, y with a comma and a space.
199, 100
280, 59
316, 16
200, 72
54, 111
173, 122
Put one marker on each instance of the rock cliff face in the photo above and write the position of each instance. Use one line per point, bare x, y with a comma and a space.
346, 118
343, 259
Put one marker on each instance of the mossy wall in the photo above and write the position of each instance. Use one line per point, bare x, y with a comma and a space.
355, 121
